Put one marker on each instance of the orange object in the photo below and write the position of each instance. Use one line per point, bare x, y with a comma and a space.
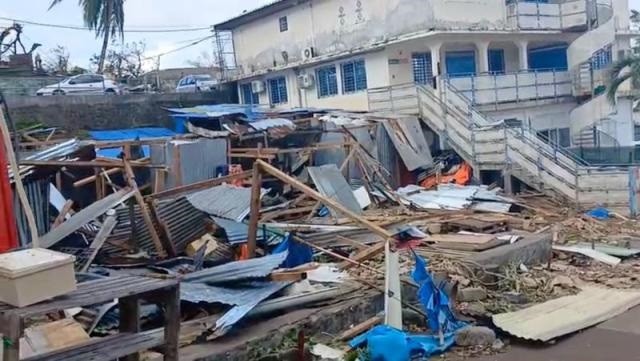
462, 176
236, 169
242, 252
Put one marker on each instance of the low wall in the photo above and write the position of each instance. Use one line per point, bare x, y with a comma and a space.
82, 112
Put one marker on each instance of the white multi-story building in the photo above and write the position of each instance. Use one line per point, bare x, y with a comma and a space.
535, 61
539, 64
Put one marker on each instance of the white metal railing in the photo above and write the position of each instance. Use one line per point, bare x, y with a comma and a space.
513, 87
535, 15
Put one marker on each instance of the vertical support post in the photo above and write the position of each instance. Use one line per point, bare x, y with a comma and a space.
130, 320
523, 56
172, 324
483, 56
13, 327
435, 61
256, 184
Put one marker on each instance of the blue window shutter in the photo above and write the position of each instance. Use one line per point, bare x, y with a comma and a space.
496, 61
278, 90
354, 76
326, 81
548, 58
460, 63
248, 96
422, 73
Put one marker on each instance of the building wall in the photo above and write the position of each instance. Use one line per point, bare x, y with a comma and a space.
332, 26
538, 117
620, 125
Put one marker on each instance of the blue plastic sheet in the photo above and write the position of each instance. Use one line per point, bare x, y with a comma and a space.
386, 343
434, 300
299, 253
599, 213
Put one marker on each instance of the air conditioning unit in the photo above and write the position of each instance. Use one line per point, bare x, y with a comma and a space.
257, 86
308, 53
306, 81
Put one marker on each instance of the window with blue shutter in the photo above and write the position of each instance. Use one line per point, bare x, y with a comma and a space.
354, 76
460, 63
278, 90
422, 73
327, 81
548, 58
248, 96
601, 58
496, 61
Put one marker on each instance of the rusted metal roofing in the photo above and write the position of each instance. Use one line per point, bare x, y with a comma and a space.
565, 315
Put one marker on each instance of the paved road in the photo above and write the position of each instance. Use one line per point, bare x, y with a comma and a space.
615, 340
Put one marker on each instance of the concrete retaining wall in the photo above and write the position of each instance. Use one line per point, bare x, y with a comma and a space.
81, 112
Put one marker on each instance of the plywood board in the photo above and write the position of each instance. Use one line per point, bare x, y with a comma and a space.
465, 242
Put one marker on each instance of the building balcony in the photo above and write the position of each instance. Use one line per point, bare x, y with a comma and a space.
547, 16
521, 86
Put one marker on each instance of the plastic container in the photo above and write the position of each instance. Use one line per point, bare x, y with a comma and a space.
34, 275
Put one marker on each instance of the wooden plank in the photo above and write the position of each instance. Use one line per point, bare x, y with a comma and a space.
200, 185
364, 254
288, 276
91, 179
144, 210
463, 242
107, 227
172, 323
256, 183
130, 320
13, 326
85, 164
61, 216
360, 328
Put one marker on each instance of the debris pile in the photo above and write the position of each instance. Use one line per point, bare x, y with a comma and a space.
339, 224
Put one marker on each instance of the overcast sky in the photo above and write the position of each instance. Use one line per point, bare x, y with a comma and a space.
138, 14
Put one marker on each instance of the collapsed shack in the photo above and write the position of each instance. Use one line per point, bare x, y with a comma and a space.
259, 214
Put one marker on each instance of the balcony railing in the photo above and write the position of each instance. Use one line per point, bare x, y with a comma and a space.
513, 87
535, 15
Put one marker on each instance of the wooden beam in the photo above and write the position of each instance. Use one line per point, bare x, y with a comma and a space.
360, 328
107, 227
256, 185
91, 179
273, 215
364, 254
200, 185
63, 212
326, 201
84, 164
144, 210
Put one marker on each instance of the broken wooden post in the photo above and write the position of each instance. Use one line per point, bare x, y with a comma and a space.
130, 176
328, 202
107, 227
66, 208
256, 185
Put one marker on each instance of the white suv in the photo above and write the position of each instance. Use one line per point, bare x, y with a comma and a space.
82, 84
196, 83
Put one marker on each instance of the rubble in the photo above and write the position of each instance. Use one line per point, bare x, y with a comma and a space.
279, 222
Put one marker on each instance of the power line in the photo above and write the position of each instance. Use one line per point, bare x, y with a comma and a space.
180, 48
74, 27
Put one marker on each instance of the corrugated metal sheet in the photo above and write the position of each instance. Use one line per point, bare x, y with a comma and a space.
224, 201
331, 183
201, 292
57, 151
84, 216
38, 196
408, 138
190, 161
565, 315
184, 224
264, 124
128, 134
237, 232
388, 156
232, 271
238, 312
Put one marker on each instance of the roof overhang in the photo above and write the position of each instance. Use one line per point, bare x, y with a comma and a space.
249, 16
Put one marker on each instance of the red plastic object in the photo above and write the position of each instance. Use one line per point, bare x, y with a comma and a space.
8, 231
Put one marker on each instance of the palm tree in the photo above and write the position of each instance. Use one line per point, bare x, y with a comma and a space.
105, 17
621, 71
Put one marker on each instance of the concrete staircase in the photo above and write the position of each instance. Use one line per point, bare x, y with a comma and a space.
489, 145
587, 77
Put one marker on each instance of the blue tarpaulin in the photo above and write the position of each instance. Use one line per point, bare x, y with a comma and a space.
299, 253
128, 134
386, 343
599, 213
389, 344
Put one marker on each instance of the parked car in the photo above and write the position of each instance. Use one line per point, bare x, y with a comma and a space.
196, 83
82, 84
